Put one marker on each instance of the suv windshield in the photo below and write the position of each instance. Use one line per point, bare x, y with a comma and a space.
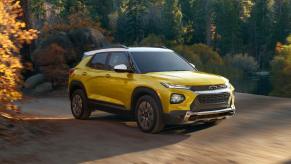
160, 62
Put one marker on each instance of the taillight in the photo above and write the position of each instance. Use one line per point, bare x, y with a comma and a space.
71, 71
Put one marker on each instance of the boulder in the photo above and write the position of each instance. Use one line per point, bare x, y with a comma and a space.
59, 51
70, 45
43, 88
56, 74
33, 81
50, 55
86, 39
62, 40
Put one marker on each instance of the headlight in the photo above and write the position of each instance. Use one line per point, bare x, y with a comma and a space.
228, 85
175, 86
176, 98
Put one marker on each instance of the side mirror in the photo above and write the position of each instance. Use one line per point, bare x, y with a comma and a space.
193, 66
121, 68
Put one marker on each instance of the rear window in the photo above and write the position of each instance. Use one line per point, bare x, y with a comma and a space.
99, 61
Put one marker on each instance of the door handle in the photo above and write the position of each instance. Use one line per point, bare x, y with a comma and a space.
84, 73
107, 76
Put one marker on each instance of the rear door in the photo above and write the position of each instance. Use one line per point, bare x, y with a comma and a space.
97, 76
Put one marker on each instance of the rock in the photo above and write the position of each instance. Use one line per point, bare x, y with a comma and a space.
59, 51
33, 81
70, 45
57, 74
51, 55
51, 62
43, 88
86, 39
62, 40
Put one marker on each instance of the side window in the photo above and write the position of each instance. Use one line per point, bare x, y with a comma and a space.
99, 61
117, 58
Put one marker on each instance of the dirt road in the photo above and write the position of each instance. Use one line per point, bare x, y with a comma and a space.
259, 133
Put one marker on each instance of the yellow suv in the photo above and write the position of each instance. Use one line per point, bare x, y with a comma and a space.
155, 85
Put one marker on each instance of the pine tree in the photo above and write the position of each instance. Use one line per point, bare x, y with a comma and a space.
259, 41
245, 14
245, 9
187, 20
281, 20
172, 20
100, 9
202, 19
227, 21
130, 28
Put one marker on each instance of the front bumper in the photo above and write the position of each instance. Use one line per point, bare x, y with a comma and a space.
209, 115
204, 106
188, 117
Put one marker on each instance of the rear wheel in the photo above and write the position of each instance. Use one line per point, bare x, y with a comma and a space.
149, 115
79, 105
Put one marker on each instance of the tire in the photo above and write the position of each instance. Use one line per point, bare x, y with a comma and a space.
148, 112
79, 105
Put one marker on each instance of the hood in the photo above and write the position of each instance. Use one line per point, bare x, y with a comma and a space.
188, 78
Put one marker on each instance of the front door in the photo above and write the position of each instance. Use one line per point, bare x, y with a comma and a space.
120, 83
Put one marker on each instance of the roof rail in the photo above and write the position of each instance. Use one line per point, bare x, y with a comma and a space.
160, 47
116, 46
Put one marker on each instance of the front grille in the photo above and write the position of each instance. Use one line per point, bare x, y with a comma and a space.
208, 87
213, 98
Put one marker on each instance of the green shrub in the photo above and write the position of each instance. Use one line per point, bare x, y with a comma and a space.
188, 53
152, 41
208, 60
201, 55
233, 74
51, 61
281, 70
243, 62
207, 55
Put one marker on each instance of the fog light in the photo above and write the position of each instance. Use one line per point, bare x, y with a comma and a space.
177, 98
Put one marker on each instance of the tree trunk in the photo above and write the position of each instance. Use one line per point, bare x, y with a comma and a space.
208, 22
26, 14
26, 49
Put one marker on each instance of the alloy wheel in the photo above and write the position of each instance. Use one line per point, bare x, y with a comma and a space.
77, 105
145, 115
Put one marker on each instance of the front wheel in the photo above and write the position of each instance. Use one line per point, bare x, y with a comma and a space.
149, 115
79, 105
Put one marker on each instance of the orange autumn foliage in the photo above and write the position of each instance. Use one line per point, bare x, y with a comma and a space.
12, 36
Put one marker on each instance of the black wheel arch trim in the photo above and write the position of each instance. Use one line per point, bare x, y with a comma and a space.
76, 84
139, 91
